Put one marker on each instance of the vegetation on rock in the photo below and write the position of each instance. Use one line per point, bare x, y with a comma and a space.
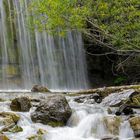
135, 124
38, 136
21, 104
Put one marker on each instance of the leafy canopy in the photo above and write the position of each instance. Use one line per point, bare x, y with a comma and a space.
115, 22
53, 15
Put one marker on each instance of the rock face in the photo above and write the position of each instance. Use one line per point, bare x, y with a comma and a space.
38, 88
54, 111
135, 124
112, 124
21, 104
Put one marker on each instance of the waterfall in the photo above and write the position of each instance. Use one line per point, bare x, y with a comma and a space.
29, 57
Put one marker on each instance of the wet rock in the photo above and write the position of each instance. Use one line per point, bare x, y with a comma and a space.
89, 98
112, 124
125, 109
38, 88
38, 136
21, 104
135, 125
54, 111
109, 138
117, 99
135, 100
15, 129
109, 111
2, 100
8, 120
3, 137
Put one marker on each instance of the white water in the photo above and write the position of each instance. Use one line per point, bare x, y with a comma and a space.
85, 123
29, 57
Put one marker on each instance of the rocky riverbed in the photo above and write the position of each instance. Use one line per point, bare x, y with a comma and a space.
71, 116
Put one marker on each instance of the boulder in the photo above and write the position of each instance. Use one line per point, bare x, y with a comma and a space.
8, 120
91, 99
3, 137
119, 98
125, 109
54, 111
38, 88
38, 136
135, 99
135, 125
21, 104
112, 124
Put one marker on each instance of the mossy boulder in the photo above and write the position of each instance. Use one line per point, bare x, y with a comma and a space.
54, 111
16, 129
112, 124
135, 125
8, 121
3, 137
8, 118
135, 100
38, 88
22, 104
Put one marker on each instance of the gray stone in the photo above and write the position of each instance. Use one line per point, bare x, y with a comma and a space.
54, 111
39, 88
117, 99
21, 104
135, 125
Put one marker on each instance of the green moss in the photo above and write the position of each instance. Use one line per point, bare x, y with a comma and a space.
41, 132
35, 137
2, 100
16, 129
39, 135
56, 124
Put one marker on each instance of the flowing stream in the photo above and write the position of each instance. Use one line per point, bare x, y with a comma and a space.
29, 57
86, 122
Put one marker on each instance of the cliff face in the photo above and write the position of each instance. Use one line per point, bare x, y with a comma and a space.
106, 67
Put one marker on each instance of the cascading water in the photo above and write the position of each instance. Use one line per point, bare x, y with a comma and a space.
31, 57
85, 123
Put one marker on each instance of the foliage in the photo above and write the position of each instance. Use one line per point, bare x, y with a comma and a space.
105, 22
59, 15
120, 80
120, 21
